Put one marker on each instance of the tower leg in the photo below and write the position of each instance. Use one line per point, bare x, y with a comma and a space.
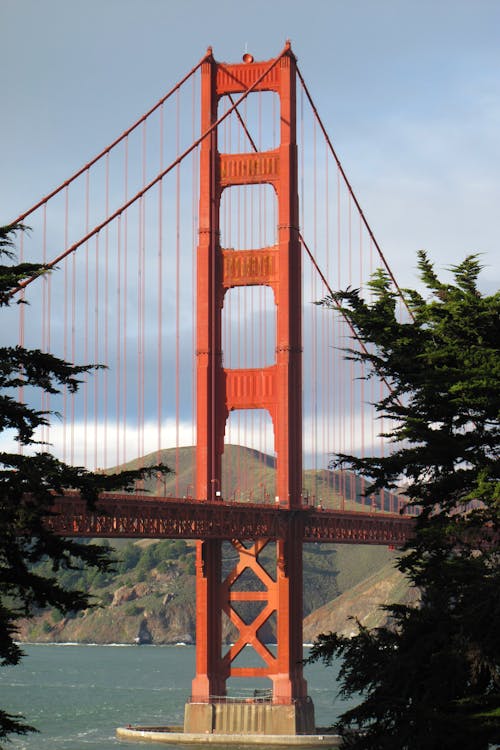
289, 684
208, 681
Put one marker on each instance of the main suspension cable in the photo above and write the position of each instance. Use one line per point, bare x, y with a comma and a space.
112, 145
351, 192
23, 284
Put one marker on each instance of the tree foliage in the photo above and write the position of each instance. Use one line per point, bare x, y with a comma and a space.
431, 678
28, 484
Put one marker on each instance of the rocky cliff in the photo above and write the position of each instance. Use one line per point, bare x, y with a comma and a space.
151, 597
364, 602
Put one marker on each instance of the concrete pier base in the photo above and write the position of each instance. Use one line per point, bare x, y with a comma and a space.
241, 723
250, 717
175, 735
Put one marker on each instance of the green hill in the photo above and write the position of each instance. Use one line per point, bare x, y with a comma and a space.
248, 475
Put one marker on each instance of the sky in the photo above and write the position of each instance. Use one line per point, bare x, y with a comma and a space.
409, 92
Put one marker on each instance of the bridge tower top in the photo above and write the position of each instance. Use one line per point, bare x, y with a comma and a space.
278, 387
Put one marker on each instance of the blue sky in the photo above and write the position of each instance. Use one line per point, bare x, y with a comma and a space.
409, 92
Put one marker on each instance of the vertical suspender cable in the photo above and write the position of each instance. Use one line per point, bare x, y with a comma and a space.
73, 354
49, 311
106, 323
139, 326
96, 345
143, 301
20, 390
372, 381
313, 317
351, 366
159, 321
382, 441
177, 298
328, 416
141, 305
118, 378
86, 320
142, 316
65, 324
362, 409
125, 296
43, 329
340, 370
45, 322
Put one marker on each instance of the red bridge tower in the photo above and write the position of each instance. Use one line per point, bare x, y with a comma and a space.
276, 388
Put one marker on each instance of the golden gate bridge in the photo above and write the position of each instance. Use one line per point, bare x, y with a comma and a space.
187, 257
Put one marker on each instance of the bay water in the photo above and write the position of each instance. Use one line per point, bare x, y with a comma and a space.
77, 695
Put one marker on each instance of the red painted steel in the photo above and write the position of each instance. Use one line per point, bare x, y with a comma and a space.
276, 388
146, 517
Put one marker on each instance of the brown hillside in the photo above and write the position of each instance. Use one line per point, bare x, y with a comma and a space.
363, 602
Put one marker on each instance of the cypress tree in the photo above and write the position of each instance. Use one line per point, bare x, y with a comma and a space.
431, 677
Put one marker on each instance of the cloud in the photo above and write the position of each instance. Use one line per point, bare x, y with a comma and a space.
105, 445
102, 445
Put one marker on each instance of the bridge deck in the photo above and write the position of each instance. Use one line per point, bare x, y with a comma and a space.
143, 516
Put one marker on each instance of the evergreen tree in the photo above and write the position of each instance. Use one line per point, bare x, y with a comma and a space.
27, 487
431, 678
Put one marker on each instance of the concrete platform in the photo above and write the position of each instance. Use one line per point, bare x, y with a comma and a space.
249, 717
176, 735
